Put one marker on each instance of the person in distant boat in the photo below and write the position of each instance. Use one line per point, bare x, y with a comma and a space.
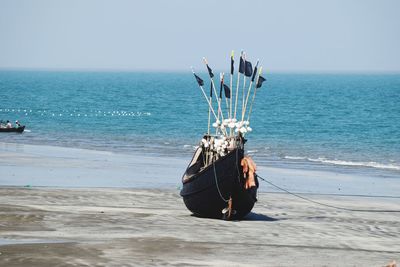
8, 125
17, 124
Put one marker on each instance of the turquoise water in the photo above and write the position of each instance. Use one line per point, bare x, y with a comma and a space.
336, 120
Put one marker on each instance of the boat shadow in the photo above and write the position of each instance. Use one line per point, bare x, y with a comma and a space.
249, 217
252, 216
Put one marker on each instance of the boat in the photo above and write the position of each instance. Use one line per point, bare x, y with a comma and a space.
207, 190
215, 183
12, 129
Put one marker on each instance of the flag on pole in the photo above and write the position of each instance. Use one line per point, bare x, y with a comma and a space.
261, 79
254, 72
227, 91
248, 68
220, 88
241, 65
232, 63
199, 80
210, 71
211, 89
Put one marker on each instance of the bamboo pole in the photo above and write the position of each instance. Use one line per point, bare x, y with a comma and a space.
254, 95
248, 94
237, 89
219, 102
215, 92
244, 82
222, 92
209, 117
230, 86
244, 85
205, 96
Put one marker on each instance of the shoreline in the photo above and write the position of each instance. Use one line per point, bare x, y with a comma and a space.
185, 151
53, 166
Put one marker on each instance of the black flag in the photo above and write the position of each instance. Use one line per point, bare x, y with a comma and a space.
211, 89
232, 65
248, 69
227, 91
220, 88
199, 80
254, 73
261, 79
241, 65
210, 71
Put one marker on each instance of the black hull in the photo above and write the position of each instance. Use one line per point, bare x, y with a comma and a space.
201, 195
12, 130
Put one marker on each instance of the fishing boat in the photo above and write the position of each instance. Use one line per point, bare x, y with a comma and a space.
208, 190
12, 130
220, 181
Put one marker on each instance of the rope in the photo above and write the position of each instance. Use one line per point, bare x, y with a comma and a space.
237, 166
216, 182
319, 203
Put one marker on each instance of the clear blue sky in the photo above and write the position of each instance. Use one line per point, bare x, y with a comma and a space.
288, 35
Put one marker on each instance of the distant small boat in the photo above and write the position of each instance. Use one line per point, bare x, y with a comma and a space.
12, 130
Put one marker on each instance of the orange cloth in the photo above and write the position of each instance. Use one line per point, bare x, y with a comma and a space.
249, 168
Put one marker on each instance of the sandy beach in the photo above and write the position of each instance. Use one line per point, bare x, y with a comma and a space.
125, 227
75, 207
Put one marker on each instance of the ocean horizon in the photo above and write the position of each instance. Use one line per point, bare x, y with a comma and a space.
344, 122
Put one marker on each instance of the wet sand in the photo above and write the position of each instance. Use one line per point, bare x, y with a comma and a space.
134, 227
34, 165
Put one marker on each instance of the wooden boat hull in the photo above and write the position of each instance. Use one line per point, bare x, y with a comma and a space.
12, 130
204, 198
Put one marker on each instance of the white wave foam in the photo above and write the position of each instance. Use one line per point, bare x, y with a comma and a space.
370, 164
294, 158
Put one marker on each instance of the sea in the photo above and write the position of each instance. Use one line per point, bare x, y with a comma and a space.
341, 122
